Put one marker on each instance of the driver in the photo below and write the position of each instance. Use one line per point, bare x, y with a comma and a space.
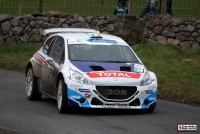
99, 52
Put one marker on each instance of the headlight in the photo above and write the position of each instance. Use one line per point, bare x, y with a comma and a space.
146, 79
78, 77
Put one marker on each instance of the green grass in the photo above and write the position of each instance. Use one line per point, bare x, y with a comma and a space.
177, 71
16, 57
181, 8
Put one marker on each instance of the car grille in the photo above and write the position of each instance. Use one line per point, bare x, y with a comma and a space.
116, 92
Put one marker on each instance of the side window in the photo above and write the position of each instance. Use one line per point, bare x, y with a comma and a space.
57, 50
48, 44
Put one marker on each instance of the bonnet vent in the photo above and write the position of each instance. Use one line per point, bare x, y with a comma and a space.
97, 68
128, 69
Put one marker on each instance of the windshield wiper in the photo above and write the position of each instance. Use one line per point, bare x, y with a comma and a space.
76, 60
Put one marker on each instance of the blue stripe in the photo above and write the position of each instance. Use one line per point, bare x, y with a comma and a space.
85, 66
76, 96
153, 95
41, 55
44, 59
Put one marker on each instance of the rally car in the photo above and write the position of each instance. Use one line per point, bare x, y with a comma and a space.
84, 68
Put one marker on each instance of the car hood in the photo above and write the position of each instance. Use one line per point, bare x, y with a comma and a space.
107, 73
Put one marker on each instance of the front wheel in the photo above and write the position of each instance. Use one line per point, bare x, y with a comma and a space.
62, 99
32, 92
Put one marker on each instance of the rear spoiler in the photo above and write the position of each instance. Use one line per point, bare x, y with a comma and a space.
70, 30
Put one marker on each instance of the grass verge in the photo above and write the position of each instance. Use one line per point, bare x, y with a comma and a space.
178, 72
16, 57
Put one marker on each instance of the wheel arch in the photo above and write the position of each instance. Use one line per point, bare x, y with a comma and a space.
60, 76
27, 67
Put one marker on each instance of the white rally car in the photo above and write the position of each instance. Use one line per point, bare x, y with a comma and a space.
87, 69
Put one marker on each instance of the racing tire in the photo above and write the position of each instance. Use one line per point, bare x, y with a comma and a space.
62, 97
32, 92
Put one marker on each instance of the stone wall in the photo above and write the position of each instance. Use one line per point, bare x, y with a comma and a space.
29, 29
183, 33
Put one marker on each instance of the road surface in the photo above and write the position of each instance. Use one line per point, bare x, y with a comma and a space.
19, 114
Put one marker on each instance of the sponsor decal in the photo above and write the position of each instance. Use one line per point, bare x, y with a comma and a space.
184, 127
113, 74
102, 41
53, 39
75, 97
123, 106
121, 43
116, 106
84, 90
54, 72
76, 89
93, 35
138, 68
128, 63
148, 91
38, 56
115, 79
143, 92
76, 85
37, 62
96, 40
87, 95
71, 41
80, 40
152, 98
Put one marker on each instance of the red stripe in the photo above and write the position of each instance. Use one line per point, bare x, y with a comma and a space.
113, 74
43, 60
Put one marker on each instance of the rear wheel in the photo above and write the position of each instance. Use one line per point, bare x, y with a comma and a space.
32, 92
62, 99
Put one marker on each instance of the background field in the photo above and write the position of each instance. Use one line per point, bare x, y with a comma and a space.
181, 8
177, 71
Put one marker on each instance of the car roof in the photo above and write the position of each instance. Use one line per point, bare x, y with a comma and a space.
69, 30
84, 33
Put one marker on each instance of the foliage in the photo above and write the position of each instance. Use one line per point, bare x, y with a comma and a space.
177, 71
181, 8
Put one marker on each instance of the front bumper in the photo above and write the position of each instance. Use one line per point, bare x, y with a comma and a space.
91, 96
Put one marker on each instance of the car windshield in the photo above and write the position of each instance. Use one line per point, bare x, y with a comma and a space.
101, 53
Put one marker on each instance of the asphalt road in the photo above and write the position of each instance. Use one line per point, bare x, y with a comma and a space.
41, 117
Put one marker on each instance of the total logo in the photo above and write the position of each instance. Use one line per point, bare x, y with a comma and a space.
113, 74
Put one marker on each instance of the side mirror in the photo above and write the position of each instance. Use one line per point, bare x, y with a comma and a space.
50, 60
